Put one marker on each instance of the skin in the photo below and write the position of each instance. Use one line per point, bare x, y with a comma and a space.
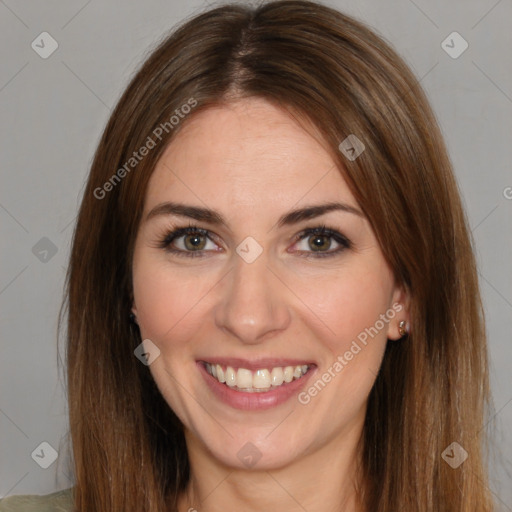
252, 162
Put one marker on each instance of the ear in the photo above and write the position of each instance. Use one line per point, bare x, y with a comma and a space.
134, 307
133, 315
400, 304
132, 300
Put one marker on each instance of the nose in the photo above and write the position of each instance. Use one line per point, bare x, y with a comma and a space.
253, 302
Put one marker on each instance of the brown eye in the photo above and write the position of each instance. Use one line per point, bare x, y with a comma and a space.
319, 242
195, 242
189, 241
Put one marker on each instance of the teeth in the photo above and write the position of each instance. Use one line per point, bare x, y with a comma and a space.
288, 374
230, 377
261, 379
277, 376
242, 379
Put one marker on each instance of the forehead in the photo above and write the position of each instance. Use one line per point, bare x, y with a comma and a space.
247, 154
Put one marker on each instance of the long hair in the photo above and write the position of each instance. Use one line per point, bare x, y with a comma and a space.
128, 446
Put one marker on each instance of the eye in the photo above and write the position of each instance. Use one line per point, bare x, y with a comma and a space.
189, 241
192, 241
321, 242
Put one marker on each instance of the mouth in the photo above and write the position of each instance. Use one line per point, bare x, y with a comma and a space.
255, 385
258, 381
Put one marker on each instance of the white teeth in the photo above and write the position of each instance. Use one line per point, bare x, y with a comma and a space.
277, 376
242, 379
230, 376
261, 379
288, 374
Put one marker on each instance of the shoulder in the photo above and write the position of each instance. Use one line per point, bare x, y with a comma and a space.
60, 501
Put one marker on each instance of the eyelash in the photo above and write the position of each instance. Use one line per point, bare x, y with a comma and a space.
169, 237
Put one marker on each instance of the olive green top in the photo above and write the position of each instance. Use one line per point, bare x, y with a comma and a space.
60, 501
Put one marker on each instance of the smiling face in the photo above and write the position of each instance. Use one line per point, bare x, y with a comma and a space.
263, 295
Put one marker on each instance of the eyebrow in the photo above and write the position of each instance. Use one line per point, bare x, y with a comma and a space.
216, 218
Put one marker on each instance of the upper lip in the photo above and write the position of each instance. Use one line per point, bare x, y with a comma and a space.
256, 364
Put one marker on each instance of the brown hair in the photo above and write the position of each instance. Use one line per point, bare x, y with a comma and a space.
128, 446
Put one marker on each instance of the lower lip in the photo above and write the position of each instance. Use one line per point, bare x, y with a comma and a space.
257, 401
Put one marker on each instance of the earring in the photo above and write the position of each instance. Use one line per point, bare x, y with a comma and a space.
402, 328
133, 319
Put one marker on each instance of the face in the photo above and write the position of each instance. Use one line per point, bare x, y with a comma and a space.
238, 263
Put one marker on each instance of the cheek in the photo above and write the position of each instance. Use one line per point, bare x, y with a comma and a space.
348, 303
165, 299
353, 339
351, 335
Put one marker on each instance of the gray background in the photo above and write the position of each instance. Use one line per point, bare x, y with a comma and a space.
53, 110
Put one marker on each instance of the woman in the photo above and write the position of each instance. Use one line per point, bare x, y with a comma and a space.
272, 295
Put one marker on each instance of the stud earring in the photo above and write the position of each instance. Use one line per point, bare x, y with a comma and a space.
402, 328
133, 319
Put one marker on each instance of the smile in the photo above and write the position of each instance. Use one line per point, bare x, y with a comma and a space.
257, 381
